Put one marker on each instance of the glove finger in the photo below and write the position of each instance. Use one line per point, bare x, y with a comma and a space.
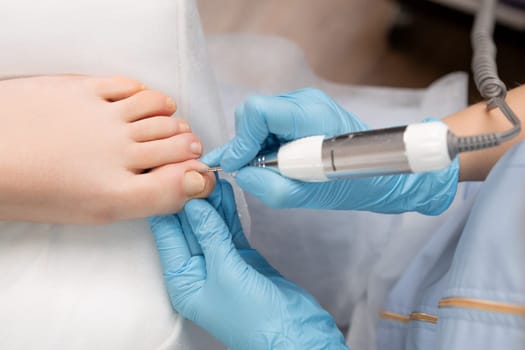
254, 121
287, 116
184, 285
193, 244
171, 243
231, 216
258, 262
321, 114
299, 113
213, 236
217, 196
244, 146
213, 157
290, 116
223, 200
272, 189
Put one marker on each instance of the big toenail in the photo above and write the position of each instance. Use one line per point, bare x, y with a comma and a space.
196, 147
194, 183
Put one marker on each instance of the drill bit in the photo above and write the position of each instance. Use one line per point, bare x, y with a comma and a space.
210, 170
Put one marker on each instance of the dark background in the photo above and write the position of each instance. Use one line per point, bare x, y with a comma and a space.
372, 42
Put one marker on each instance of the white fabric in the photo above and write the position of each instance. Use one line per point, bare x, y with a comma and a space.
100, 287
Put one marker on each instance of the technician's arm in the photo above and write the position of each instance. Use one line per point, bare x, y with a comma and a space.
475, 166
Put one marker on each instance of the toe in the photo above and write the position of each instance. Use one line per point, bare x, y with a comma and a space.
156, 128
152, 154
146, 104
116, 88
167, 188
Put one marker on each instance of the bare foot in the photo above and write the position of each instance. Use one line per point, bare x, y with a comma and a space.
79, 149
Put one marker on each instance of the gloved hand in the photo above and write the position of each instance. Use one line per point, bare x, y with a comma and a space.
229, 289
265, 121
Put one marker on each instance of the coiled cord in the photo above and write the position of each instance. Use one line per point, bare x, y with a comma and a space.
487, 81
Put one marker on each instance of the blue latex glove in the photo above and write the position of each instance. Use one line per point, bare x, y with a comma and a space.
229, 289
264, 121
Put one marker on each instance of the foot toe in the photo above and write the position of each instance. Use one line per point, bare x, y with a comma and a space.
167, 188
152, 154
146, 104
116, 88
156, 128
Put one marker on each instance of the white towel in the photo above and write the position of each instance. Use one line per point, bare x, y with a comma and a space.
100, 287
